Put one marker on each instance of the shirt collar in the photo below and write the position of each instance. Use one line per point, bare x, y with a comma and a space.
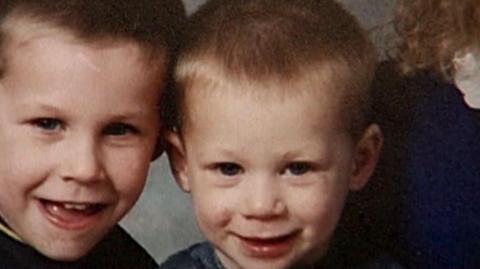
6, 230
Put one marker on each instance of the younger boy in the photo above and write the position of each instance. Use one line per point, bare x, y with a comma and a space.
79, 90
271, 130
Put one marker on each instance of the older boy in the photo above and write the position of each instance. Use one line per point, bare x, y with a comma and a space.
271, 130
79, 93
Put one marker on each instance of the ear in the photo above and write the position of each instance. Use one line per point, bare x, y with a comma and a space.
366, 156
177, 159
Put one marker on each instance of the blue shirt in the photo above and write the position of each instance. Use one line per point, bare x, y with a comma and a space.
202, 256
429, 174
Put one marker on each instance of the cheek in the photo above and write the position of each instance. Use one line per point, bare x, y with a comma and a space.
128, 172
20, 174
325, 206
211, 209
23, 168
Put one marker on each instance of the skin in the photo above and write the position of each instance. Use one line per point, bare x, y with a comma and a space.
78, 127
268, 175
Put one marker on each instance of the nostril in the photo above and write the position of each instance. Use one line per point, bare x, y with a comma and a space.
266, 210
83, 170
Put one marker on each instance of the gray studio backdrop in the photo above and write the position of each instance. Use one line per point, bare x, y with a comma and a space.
162, 221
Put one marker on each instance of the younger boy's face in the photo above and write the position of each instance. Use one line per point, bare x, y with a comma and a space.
268, 176
78, 126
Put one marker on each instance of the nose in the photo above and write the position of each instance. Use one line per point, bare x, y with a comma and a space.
263, 199
82, 161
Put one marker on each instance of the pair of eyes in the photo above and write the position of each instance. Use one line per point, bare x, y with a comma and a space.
114, 128
293, 168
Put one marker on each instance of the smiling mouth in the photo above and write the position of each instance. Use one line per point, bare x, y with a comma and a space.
71, 215
268, 248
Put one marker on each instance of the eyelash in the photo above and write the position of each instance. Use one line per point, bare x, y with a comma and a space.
301, 167
113, 129
46, 124
294, 168
119, 129
224, 168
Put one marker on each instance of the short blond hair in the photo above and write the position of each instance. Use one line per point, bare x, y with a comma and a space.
154, 25
277, 40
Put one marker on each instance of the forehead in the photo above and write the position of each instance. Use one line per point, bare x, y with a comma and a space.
310, 99
209, 75
261, 129
39, 45
64, 50
54, 64
206, 80
24, 32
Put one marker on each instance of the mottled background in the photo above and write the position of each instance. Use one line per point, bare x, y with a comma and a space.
162, 220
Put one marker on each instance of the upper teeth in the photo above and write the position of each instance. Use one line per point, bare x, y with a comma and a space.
75, 206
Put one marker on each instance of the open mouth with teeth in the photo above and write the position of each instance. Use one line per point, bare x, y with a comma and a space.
71, 214
268, 247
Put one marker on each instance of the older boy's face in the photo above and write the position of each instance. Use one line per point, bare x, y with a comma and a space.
268, 177
78, 126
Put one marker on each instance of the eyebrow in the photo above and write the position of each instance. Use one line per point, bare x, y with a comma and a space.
133, 112
129, 116
42, 106
130, 113
228, 153
220, 151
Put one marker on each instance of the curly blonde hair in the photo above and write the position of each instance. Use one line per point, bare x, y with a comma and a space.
431, 32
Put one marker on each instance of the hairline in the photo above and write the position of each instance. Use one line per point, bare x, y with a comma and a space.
9, 30
333, 73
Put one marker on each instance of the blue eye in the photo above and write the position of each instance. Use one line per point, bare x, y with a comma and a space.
118, 129
298, 168
48, 124
229, 169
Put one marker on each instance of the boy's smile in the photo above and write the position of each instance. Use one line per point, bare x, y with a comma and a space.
268, 247
268, 174
78, 127
71, 215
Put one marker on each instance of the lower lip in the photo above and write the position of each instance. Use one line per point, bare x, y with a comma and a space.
268, 249
76, 221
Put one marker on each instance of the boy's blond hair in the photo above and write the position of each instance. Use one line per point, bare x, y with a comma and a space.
152, 24
279, 41
431, 32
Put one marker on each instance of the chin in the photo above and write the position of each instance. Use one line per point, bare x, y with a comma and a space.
262, 264
66, 252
